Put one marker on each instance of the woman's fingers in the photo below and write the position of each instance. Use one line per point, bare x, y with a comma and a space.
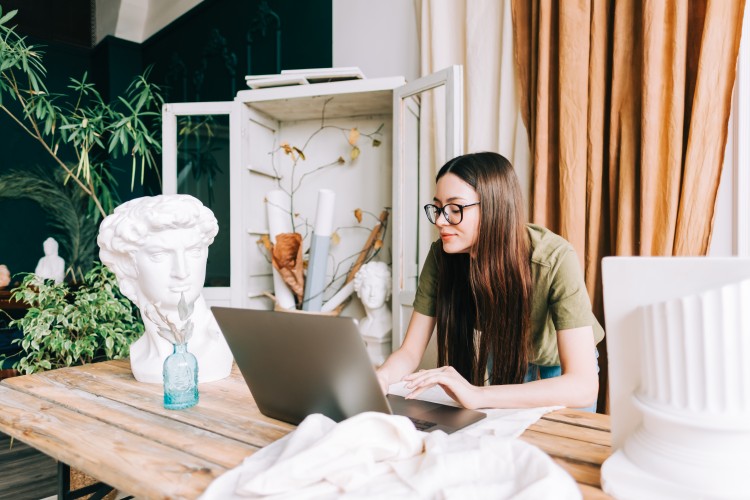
456, 386
446, 380
425, 373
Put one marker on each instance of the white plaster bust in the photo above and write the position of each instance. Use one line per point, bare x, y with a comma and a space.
51, 266
157, 248
373, 286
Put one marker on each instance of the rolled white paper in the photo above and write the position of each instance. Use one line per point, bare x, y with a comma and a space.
315, 281
324, 213
282, 292
279, 213
340, 297
279, 221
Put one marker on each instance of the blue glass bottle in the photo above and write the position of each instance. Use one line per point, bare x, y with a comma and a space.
180, 379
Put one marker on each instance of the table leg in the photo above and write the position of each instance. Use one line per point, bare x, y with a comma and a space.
97, 490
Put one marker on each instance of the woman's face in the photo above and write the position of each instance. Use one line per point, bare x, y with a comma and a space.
457, 238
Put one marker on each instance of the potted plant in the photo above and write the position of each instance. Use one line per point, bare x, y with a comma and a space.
69, 325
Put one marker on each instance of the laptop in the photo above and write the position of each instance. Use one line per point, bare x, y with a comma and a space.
299, 364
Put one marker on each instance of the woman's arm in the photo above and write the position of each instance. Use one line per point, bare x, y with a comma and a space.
407, 357
577, 387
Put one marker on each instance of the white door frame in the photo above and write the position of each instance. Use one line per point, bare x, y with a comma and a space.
170, 112
452, 79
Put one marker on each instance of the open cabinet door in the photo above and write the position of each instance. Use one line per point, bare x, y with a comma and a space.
200, 158
427, 131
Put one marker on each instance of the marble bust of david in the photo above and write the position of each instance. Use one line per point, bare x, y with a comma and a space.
157, 247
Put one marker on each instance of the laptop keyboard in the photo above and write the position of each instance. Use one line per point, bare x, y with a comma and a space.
422, 425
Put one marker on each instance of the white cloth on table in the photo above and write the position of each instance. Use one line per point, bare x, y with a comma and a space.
373, 455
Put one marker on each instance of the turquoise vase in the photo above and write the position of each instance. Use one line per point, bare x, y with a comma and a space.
180, 379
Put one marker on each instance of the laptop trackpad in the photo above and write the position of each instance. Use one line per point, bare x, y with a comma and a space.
413, 408
446, 418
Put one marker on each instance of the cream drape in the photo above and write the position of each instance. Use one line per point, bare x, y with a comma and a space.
627, 105
477, 34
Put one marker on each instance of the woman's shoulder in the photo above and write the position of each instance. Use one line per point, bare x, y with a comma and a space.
546, 246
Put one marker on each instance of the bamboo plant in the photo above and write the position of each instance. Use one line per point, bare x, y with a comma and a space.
79, 125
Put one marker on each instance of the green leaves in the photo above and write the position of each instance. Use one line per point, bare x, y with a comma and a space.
65, 326
68, 210
7, 17
80, 125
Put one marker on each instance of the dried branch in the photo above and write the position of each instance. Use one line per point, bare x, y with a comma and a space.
375, 236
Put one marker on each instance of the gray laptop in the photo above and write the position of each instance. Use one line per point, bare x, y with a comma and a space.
299, 364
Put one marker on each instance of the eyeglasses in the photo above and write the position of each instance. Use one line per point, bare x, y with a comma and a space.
452, 212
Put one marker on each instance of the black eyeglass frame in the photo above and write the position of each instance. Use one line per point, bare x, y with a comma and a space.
430, 208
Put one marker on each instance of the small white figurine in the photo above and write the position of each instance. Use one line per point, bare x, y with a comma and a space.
51, 266
157, 248
373, 286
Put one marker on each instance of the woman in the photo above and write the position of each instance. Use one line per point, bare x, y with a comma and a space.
514, 321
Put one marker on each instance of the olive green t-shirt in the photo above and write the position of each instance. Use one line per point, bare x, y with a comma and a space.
559, 299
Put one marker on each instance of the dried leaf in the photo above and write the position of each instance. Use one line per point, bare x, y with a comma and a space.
188, 329
265, 240
358, 215
376, 143
287, 260
166, 334
182, 307
299, 152
355, 153
335, 238
286, 147
341, 160
353, 136
378, 244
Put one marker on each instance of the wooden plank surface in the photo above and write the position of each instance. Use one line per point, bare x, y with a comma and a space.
580, 419
225, 407
577, 441
129, 462
132, 443
180, 452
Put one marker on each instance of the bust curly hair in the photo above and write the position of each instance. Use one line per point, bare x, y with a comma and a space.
122, 233
379, 270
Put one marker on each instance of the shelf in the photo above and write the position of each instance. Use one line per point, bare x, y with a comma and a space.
305, 102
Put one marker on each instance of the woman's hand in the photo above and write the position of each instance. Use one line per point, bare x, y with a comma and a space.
457, 387
383, 381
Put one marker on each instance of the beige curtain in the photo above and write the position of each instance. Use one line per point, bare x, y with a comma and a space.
627, 105
477, 34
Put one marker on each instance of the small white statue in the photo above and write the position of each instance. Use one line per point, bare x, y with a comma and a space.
157, 248
373, 286
51, 266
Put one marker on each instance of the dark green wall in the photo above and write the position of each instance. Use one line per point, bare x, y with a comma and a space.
22, 222
186, 52
201, 56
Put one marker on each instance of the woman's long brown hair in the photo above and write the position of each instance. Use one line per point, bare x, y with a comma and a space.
488, 289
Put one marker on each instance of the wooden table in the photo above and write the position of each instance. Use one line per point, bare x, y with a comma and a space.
98, 419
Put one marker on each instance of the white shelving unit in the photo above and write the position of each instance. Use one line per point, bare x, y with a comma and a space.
390, 175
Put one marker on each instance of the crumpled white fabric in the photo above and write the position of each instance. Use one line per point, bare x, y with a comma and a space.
373, 455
